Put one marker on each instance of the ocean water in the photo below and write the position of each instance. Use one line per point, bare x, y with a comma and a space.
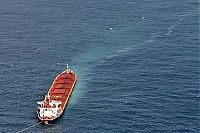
137, 63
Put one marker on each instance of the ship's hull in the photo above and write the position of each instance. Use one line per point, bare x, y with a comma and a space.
59, 92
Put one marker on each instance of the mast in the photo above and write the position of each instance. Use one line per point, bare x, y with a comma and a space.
68, 70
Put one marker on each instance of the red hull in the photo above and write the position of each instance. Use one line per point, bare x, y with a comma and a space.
57, 97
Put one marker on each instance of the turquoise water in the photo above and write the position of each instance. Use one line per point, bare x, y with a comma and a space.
137, 64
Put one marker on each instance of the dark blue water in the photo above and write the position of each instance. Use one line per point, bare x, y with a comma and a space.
137, 64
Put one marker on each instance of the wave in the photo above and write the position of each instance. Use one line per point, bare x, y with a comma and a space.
4, 64
5, 67
171, 28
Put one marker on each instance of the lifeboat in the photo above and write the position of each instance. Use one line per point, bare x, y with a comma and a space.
57, 97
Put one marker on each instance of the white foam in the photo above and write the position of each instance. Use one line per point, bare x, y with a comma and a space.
112, 29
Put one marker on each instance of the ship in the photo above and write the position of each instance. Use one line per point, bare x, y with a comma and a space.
55, 101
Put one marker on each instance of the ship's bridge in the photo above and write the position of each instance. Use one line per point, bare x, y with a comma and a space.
48, 109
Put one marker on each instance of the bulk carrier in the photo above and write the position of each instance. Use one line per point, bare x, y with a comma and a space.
57, 97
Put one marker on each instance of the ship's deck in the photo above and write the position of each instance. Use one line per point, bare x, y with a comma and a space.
62, 86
